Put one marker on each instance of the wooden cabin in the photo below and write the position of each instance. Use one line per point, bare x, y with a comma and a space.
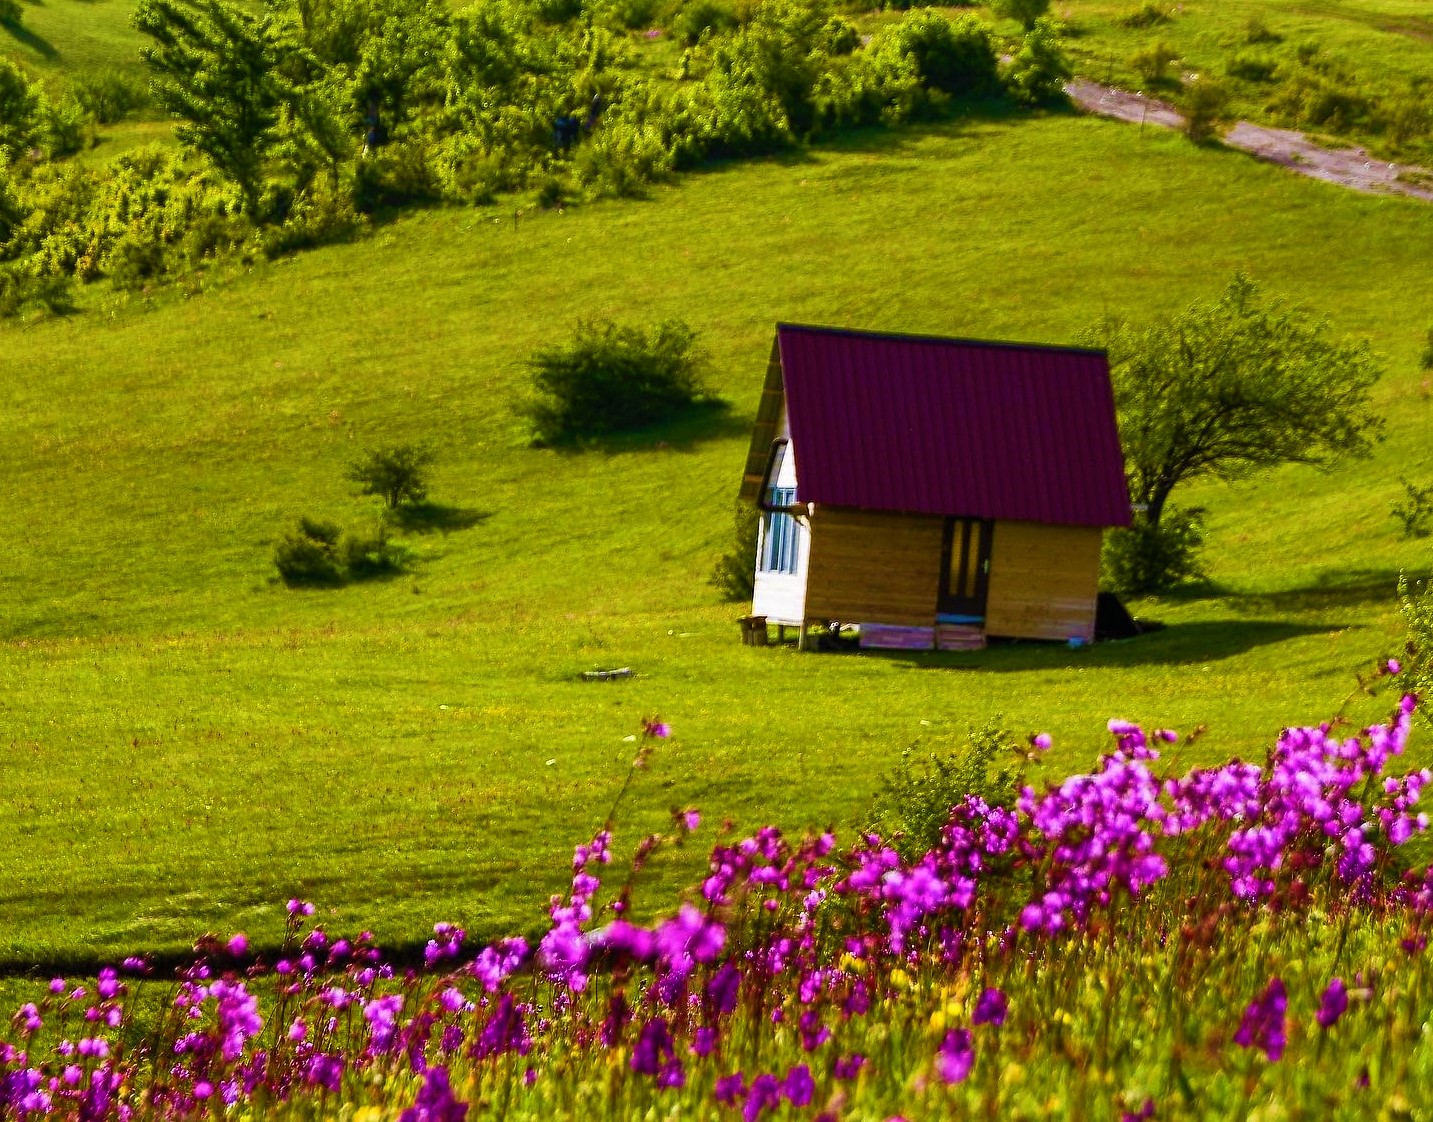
932, 491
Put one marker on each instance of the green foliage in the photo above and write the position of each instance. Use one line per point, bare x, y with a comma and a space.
1415, 509
1152, 63
957, 56
1149, 557
1256, 31
19, 110
611, 378
1206, 107
1026, 12
1039, 70
697, 18
1148, 14
1426, 359
319, 554
1415, 598
110, 94
1227, 388
372, 554
12, 13
1251, 68
215, 68
308, 554
734, 575
397, 473
913, 803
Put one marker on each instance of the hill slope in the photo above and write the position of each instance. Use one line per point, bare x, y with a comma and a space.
191, 742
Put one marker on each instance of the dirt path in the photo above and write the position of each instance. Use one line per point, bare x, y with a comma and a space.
1348, 167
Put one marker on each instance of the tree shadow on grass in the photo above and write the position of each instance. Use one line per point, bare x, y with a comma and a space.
703, 422
37, 43
436, 518
1180, 644
1336, 588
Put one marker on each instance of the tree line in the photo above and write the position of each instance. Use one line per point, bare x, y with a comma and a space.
297, 121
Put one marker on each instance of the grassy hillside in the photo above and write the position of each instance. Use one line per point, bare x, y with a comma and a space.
190, 743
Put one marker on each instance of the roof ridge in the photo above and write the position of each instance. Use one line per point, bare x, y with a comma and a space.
950, 340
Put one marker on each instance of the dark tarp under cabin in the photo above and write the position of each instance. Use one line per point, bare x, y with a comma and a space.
933, 491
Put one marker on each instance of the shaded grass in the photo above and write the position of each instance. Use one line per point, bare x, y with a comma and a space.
190, 743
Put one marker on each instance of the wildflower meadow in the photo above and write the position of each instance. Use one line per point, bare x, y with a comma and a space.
1241, 941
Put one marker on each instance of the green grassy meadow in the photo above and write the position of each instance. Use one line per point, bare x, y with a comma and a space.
190, 742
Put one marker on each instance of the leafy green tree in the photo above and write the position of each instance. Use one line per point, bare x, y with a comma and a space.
398, 474
1206, 107
1037, 73
614, 378
19, 109
215, 66
1226, 388
1026, 12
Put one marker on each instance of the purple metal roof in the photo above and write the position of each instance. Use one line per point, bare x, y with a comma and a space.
953, 426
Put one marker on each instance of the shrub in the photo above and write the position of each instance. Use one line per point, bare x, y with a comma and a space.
734, 574
1414, 510
372, 554
702, 17
110, 95
1427, 357
1251, 68
1416, 673
61, 126
613, 378
914, 801
397, 473
1147, 558
308, 554
11, 13
394, 174
19, 109
1257, 31
957, 56
1148, 14
1037, 73
1206, 103
1152, 64
1024, 11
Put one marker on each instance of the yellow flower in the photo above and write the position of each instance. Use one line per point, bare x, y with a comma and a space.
937, 1022
900, 979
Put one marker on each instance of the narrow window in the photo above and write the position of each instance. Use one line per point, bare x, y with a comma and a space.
779, 534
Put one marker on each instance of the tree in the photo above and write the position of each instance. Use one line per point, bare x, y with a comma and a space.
215, 66
1037, 73
1206, 106
397, 474
1024, 11
19, 110
1226, 388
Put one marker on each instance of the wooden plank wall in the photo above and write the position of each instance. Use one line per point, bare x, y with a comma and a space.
1044, 581
874, 567
768, 418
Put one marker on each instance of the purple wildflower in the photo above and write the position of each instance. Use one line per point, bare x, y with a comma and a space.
764, 1094
1333, 1003
730, 1089
955, 1057
654, 1047
1263, 1023
435, 1101
848, 1067
991, 1007
799, 1087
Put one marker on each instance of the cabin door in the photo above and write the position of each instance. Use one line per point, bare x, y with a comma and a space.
965, 567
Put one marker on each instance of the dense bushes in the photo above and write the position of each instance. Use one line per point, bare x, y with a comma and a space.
315, 553
299, 120
1152, 557
612, 378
